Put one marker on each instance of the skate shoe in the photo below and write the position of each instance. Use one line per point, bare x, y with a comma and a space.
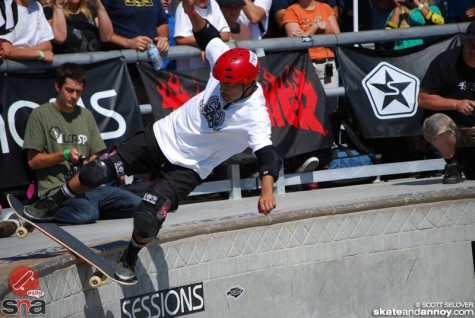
125, 268
43, 210
452, 174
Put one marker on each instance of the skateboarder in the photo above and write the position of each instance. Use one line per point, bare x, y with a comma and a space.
184, 147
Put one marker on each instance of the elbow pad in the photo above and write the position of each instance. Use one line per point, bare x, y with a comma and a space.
434, 18
205, 35
269, 162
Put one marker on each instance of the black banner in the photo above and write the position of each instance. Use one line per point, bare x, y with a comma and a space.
108, 94
295, 99
382, 86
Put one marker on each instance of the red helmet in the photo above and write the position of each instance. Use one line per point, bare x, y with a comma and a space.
236, 66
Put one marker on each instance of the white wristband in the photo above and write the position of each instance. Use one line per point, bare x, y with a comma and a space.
420, 7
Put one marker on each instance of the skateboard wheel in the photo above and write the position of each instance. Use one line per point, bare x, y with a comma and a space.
95, 282
21, 232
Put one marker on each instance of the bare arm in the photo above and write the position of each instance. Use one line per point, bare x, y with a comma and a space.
39, 160
267, 200
254, 13
103, 21
439, 103
15, 53
58, 23
162, 38
138, 43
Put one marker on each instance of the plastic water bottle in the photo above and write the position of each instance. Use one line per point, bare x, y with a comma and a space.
154, 56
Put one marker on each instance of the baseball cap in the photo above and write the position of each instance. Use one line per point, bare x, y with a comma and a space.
233, 3
470, 35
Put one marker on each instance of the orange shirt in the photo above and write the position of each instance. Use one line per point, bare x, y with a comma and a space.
322, 11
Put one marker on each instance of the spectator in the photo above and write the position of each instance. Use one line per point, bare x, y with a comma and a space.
412, 13
52, 152
78, 25
136, 25
208, 9
231, 10
448, 95
255, 14
309, 17
276, 17
32, 35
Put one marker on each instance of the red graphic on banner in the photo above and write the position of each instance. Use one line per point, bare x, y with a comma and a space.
174, 95
291, 99
23, 279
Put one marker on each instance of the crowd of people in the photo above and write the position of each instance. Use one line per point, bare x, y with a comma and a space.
37, 30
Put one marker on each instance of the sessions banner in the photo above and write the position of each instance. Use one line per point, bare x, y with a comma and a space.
294, 94
108, 94
382, 87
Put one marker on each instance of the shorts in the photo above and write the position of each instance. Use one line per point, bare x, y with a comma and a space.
440, 123
141, 153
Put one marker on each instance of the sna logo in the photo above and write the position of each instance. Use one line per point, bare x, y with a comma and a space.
24, 281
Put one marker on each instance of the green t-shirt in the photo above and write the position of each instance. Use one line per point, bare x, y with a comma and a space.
49, 130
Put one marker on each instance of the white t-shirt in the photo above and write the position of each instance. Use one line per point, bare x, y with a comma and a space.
183, 28
255, 29
201, 134
32, 27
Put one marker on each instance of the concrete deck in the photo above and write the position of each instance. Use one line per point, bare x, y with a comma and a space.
206, 218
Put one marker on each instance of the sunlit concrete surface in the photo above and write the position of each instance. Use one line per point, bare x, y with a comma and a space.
341, 252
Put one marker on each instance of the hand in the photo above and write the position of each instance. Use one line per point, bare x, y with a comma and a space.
138, 43
322, 25
61, 2
1, 51
74, 156
188, 5
266, 203
162, 43
465, 106
297, 32
49, 56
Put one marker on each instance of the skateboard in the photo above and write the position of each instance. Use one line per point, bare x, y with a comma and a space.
103, 270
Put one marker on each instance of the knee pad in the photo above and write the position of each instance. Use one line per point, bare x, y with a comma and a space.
101, 170
151, 213
94, 173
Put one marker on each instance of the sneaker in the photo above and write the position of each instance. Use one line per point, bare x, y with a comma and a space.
123, 269
309, 165
43, 210
452, 174
8, 227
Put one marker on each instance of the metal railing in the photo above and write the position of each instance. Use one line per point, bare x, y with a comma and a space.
235, 184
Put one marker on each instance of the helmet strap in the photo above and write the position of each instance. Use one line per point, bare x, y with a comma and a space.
243, 94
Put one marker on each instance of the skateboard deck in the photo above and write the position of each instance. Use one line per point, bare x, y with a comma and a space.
103, 268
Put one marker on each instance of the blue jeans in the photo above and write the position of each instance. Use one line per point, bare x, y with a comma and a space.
104, 202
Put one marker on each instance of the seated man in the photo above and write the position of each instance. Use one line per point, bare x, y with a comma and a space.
447, 92
229, 115
56, 136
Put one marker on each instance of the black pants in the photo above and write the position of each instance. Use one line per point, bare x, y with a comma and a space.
141, 154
